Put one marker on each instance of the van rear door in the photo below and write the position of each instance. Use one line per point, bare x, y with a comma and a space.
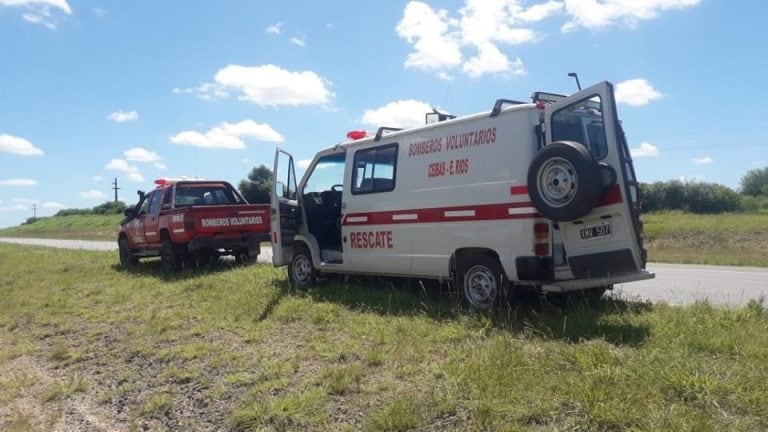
284, 209
583, 179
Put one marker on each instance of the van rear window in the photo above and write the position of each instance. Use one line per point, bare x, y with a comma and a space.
374, 170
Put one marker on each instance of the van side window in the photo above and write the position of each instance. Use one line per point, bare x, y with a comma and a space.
374, 170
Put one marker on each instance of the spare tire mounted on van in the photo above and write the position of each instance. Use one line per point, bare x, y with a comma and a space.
564, 181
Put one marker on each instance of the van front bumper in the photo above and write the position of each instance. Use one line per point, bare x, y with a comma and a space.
579, 284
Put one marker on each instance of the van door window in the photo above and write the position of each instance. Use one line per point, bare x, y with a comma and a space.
582, 122
321, 199
374, 170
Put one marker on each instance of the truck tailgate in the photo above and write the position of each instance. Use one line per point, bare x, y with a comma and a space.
253, 218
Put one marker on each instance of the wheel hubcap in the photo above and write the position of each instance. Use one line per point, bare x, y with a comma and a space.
302, 269
557, 182
480, 286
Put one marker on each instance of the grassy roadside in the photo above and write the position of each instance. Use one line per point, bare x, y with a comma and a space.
81, 227
726, 239
86, 345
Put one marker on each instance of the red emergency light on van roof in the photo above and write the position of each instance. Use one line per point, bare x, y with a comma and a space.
357, 134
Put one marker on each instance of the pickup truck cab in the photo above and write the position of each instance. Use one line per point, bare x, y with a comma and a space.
185, 220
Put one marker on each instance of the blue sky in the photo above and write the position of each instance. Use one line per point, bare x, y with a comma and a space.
93, 90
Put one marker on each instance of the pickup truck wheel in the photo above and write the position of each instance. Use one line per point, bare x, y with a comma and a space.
301, 273
244, 257
169, 257
481, 281
127, 259
564, 181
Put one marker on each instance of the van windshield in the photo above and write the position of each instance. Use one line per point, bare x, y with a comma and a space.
582, 122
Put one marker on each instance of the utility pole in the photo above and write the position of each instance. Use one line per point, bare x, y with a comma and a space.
34, 211
114, 186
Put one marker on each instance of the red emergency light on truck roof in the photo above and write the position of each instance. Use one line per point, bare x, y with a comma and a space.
164, 182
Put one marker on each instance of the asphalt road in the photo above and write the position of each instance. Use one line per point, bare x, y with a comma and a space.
674, 283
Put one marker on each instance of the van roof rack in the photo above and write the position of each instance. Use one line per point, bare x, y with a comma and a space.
547, 97
380, 132
499, 104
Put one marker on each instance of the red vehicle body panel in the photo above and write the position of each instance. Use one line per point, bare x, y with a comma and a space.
164, 214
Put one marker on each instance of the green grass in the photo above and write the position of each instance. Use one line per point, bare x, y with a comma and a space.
85, 227
236, 348
727, 239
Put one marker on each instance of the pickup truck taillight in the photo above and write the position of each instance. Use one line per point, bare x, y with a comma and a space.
189, 222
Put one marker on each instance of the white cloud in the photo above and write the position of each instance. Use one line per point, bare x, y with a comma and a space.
93, 195
472, 38
18, 182
123, 116
130, 171
98, 178
25, 201
266, 85
645, 150
600, 14
303, 163
702, 160
99, 12
53, 205
18, 145
228, 135
298, 41
58, 4
140, 154
13, 208
160, 166
636, 92
40, 11
490, 60
403, 114
275, 28
135, 177
270, 85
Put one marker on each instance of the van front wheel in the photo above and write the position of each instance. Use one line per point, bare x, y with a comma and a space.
301, 273
481, 281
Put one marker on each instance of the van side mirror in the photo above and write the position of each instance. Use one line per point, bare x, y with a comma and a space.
129, 213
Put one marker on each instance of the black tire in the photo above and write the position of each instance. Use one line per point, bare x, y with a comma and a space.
564, 181
301, 272
243, 257
127, 258
169, 257
481, 279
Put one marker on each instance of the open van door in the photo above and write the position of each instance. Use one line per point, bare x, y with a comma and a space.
284, 211
583, 179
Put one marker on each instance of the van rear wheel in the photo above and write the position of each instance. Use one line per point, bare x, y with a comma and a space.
301, 273
481, 281
564, 181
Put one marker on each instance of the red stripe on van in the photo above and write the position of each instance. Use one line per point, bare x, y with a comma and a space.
443, 214
519, 190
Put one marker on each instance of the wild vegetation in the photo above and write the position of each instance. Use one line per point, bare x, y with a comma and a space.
88, 346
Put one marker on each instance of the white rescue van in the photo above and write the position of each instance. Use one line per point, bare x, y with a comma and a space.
541, 194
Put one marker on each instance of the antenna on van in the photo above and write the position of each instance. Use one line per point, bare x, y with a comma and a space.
576, 76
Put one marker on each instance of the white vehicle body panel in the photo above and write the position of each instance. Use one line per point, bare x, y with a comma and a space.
458, 185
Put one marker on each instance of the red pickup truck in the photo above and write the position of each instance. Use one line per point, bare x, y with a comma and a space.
186, 220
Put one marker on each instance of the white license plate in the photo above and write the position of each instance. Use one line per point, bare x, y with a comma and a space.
600, 230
